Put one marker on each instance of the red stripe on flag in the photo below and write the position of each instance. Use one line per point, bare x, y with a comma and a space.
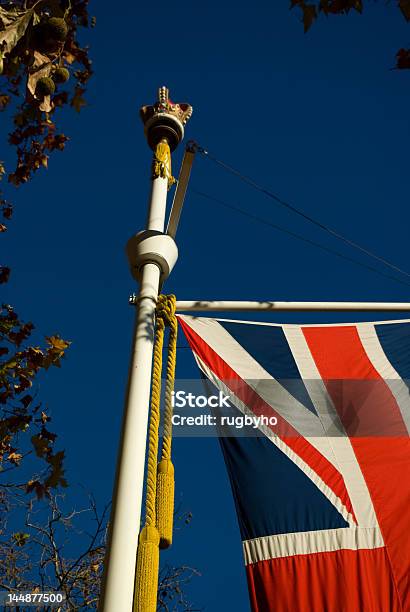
383, 455
312, 457
340, 581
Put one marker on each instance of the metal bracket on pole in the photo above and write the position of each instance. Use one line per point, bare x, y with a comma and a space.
181, 188
151, 246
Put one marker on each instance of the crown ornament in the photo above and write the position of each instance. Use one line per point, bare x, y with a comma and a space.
165, 120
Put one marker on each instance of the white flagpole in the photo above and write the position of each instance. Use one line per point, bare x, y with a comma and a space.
224, 306
152, 255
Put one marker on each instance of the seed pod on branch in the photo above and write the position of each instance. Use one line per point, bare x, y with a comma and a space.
45, 87
60, 75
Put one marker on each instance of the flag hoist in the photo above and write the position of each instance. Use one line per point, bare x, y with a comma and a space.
152, 254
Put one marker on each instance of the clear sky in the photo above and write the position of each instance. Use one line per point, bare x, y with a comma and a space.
321, 119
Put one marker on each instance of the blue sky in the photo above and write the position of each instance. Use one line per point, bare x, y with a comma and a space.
320, 119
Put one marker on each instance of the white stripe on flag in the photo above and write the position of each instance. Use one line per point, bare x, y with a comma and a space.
309, 542
345, 457
374, 350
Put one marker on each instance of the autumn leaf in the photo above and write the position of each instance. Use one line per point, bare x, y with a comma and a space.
56, 477
48, 435
41, 67
35, 356
7, 212
69, 57
4, 100
9, 365
404, 6
403, 59
44, 417
26, 400
3, 228
58, 343
309, 15
20, 538
4, 274
78, 101
56, 142
41, 445
15, 458
37, 487
46, 105
16, 23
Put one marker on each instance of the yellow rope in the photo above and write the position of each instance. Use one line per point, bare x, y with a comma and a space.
157, 531
161, 165
165, 474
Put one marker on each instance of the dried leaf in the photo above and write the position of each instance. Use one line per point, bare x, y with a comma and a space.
69, 57
78, 101
48, 435
358, 6
35, 485
17, 24
56, 476
58, 343
46, 105
7, 212
41, 67
403, 59
44, 418
4, 100
309, 15
15, 458
20, 538
41, 445
404, 6
4, 274
8, 17
26, 400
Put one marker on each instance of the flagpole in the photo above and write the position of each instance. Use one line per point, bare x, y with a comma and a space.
152, 255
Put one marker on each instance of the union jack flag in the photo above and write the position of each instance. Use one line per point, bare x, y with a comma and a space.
323, 497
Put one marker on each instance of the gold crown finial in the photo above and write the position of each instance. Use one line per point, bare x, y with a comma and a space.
165, 119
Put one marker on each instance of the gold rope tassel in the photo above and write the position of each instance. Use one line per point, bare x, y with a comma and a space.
165, 472
146, 581
165, 502
146, 577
